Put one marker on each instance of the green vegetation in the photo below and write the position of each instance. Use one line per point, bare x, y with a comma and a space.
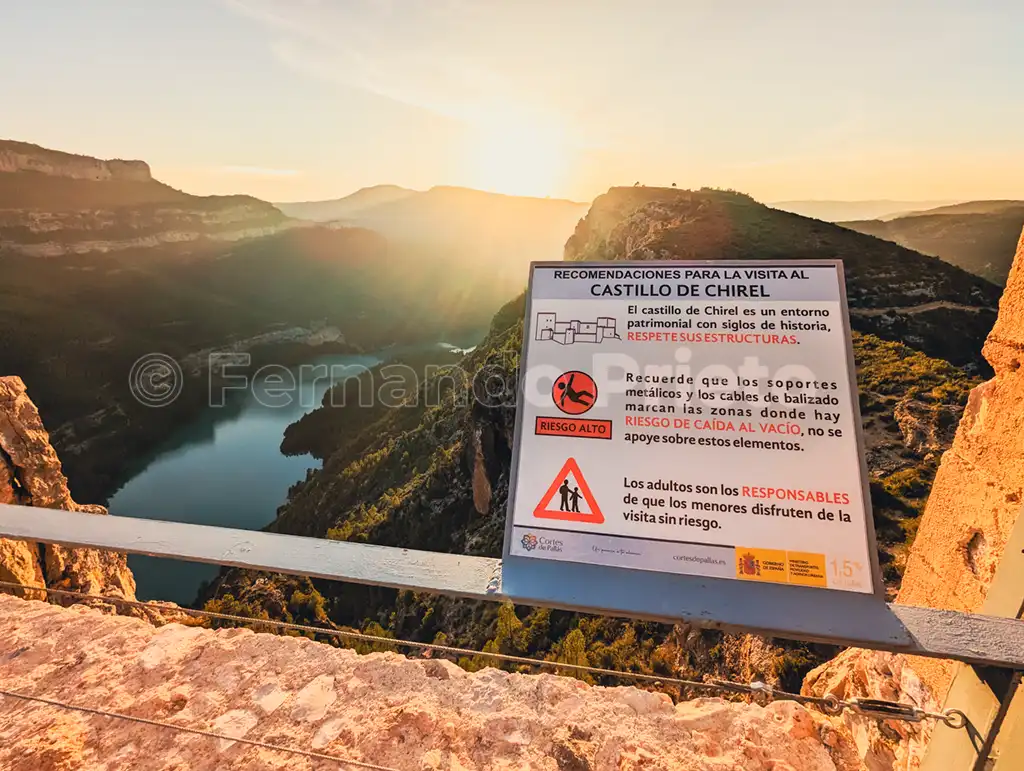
374, 392
891, 369
289, 599
906, 397
404, 477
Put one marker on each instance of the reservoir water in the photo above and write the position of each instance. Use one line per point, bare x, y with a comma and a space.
225, 468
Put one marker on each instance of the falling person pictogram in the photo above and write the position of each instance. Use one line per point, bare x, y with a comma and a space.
574, 392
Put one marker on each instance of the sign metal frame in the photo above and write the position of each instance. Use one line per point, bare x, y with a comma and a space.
608, 590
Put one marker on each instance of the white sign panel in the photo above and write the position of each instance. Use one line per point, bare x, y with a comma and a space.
693, 418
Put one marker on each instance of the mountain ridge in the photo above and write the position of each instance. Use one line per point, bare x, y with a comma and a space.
54, 203
978, 236
339, 208
837, 210
368, 197
992, 206
666, 223
25, 156
486, 239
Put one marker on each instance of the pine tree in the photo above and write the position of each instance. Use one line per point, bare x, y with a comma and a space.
508, 638
574, 649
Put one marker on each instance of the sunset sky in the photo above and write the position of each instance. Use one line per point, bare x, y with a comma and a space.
300, 100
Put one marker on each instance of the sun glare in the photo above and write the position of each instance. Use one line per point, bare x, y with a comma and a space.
517, 157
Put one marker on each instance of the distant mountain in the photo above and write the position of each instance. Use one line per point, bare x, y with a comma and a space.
974, 207
482, 227
834, 211
486, 239
978, 236
349, 206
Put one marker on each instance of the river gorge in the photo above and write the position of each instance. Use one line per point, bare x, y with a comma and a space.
225, 466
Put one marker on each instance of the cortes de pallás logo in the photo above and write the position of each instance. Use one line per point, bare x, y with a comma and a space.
541, 543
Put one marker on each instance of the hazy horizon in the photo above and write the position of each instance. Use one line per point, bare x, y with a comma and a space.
310, 101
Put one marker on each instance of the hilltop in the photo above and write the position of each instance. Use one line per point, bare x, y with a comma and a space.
978, 236
488, 238
484, 242
24, 156
894, 292
381, 202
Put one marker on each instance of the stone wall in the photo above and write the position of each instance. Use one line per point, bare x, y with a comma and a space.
379, 708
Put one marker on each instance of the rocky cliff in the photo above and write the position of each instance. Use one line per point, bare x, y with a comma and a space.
22, 156
30, 475
857, 673
974, 504
59, 233
979, 488
54, 203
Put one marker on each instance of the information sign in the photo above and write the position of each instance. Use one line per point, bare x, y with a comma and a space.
693, 418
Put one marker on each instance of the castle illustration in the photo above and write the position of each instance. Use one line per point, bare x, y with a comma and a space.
574, 331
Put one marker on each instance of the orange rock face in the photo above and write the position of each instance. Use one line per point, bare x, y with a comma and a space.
30, 474
977, 494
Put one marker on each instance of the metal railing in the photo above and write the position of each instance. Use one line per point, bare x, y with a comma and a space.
798, 613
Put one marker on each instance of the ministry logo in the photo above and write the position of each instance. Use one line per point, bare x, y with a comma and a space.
529, 542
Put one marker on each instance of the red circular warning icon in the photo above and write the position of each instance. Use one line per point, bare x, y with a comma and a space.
574, 392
